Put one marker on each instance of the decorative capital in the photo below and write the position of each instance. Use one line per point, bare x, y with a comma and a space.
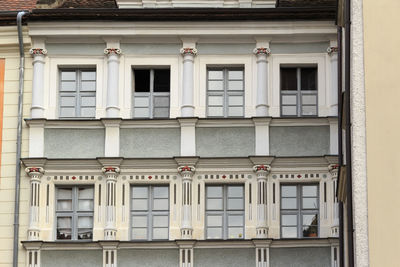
38, 51
34, 172
262, 168
112, 51
186, 169
188, 50
262, 50
333, 168
332, 49
110, 170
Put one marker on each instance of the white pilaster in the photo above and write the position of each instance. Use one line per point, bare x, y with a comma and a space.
111, 148
110, 230
333, 169
262, 80
262, 227
188, 52
37, 108
36, 138
187, 175
333, 95
333, 136
188, 136
33, 258
262, 135
109, 253
35, 173
113, 53
186, 258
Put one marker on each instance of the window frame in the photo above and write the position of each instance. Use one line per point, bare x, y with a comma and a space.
74, 213
78, 93
225, 213
149, 213
225, 93
151, 95
299, 93
300, 211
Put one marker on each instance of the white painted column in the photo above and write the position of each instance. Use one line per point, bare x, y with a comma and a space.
110, 230
262, 136
36, 138
35, 173
187, 109
111, 148
112, 109
262, 80
262, 227
33, 258
187, 175
37, 108
109, 253
333, 136
262, 256
186, 258
333, 169
333, 103
188, 136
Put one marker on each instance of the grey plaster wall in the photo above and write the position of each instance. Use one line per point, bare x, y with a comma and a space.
225, 142
151, 49
68, 258
300, 257
148, 258
225, 49
150, 143
224, 257
74, 143
76, 49
296, 48
299, 140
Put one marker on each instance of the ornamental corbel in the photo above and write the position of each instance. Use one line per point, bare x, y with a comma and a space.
186, 171
112, 51
262, 51
332, 49
188, 51
262, 168
333, 169
35, 172
38, 51
110, 170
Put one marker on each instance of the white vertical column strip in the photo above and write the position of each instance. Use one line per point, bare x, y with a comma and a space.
333, 169
112, 137
187, 108
262, 80
112, 108
110, 230
187, 175
262, 136
333, 95
188, 136
262, 227
37, 108
35, 174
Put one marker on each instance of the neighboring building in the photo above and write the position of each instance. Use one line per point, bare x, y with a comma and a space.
190, 136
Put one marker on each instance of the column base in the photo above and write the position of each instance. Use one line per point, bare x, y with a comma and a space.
335, 231
110, 234
33, 234
186, 233
262, 232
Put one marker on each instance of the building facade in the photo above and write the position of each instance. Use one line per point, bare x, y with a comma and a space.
182, 137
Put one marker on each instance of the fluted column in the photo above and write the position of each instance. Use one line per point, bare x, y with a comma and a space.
187, 175
112, 108
333, 105
37, 108
262, 80
333, 169
187, 109
35, 173
262, 227
110, 231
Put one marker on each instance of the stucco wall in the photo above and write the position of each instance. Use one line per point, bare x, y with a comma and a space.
224, 257
300, 257
148, 258
69, 258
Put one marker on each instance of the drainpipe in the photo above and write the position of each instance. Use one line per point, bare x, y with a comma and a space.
19, 136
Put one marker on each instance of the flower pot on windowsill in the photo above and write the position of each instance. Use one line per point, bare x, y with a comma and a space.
313, 235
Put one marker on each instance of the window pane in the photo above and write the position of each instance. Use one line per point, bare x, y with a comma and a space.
86, 193
310, 231
84, 234
67, 112
161, 113
68, 86
160, 204
139, 204
235, 75
64, 205
160, 221
88, 86
214, 220
289, 191
310, 203
216, 111
86, 205
88, 75
309, 110
68, 101
160, 233
235, 191
235, 85
141, 101
289, 220
289, 203
161, 81
289, 232
235, 232
215, 100
161, 101
235, 111
288, 79
160, 192
64, 222
235, 204
215, 85
85, 222
309, 99
289, 99
68, 75
214, 204
289, 110
215, 75
310, 219
142, 80
139, 221
308, 78
139, 233
64, 234
214, 233
309, 190
235, 220
235, 100
88, 112
142, 112
64, 193
140, 192
214, 191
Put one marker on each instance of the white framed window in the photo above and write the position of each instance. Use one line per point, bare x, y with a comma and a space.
77, 93
225, 92
150, 212
151, 93
74, 212
299, 211
299, 91
224, 211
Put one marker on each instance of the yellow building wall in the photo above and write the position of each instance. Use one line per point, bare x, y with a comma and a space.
10, 53
382, 76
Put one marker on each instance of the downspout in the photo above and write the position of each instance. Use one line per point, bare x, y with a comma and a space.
19, 137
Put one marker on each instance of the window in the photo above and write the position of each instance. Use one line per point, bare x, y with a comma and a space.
77, 93
150, 212
299, 211
299, 91
151, 93
225, 211
74, 212
225, 92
